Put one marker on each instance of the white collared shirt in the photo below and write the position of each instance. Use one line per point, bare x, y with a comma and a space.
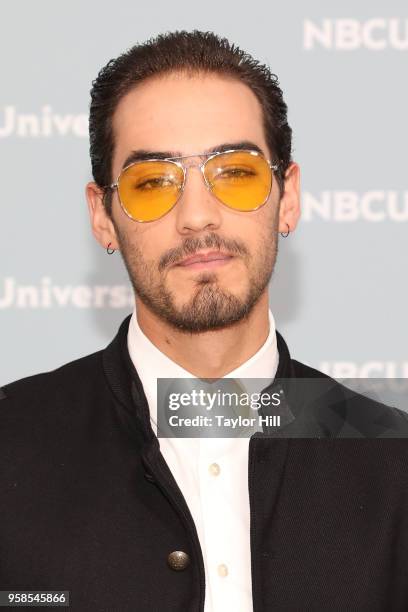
212, 474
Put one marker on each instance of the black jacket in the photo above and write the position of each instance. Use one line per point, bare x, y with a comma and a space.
88, 503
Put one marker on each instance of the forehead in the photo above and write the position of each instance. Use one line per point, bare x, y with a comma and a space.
186, 114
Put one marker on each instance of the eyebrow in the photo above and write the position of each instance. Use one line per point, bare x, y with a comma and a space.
142, 154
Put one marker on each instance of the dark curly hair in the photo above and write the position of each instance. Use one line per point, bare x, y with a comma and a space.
191, 52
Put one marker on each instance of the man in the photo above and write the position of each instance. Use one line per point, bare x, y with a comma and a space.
193, 182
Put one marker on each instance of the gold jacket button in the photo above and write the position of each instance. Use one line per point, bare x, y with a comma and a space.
178, 560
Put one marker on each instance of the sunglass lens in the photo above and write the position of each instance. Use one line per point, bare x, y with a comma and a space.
149, 189
241, 179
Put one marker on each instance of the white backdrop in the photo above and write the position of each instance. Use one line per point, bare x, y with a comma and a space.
339, 292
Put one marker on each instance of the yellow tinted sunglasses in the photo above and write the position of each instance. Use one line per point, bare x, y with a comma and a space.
240, 179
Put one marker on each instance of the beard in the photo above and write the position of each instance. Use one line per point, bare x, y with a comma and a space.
210, 307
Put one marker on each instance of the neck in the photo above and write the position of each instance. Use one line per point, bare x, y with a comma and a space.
211, 354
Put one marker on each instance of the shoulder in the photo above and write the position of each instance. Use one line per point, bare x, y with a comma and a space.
50, 418
66, 373
357, 406
40, 393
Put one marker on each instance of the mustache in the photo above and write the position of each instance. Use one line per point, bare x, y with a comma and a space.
192, 245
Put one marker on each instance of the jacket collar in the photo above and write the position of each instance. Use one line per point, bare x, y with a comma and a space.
125, 383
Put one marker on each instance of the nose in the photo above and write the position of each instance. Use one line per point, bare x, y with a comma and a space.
197, 209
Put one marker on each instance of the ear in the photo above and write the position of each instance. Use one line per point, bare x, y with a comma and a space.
289, 210
102, 225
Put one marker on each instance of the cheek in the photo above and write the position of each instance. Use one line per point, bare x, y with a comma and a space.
271, 211
266, 220
150, 247
264, 233
135, 237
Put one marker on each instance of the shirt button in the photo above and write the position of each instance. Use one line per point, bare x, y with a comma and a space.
222, 570
178, 560
214, 469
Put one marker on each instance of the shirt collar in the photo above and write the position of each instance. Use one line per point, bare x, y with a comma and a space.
151, 363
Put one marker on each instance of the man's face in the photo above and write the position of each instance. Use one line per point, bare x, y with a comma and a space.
189, 115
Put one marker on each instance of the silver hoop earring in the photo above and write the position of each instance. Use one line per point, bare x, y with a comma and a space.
287, 233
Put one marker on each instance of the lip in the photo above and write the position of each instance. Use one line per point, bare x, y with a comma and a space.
211, 258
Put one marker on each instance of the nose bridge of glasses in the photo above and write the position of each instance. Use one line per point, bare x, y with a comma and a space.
196, 161
188, 163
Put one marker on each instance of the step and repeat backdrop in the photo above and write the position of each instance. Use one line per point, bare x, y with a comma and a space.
339, 291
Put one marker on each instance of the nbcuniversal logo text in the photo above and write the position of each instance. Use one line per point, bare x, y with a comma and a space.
47, 294
349, 206
374, 34
44, 124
